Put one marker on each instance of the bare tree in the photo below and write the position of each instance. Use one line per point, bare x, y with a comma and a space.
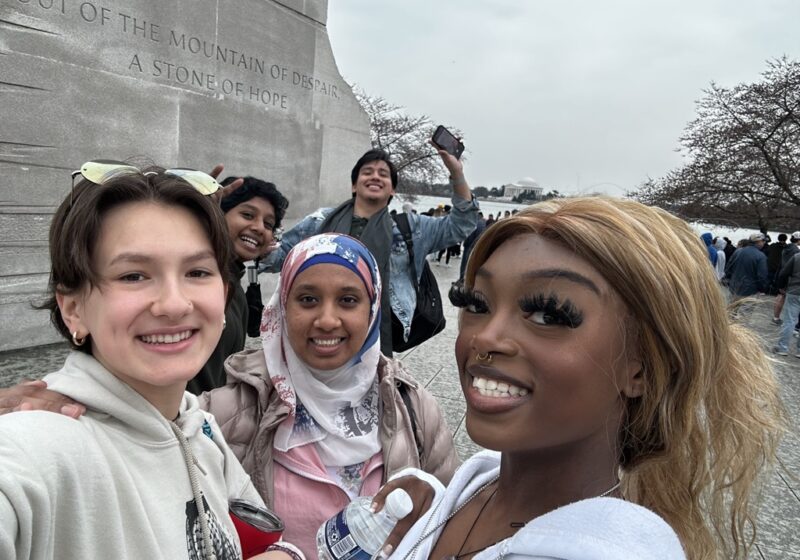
406, 138
743, 154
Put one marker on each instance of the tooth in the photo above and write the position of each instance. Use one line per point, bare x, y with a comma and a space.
474, 381
522, 392
483, 391
503, 387
505, 396
514, 390
491, 384
482, 383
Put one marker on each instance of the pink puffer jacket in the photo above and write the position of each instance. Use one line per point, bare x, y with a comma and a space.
248, 411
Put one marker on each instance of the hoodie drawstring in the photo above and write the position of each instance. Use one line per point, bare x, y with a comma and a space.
192, 466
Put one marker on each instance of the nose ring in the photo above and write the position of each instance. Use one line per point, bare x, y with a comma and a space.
486, 357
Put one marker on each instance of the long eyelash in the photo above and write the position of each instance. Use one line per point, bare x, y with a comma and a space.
464, 297
564, 312
458, 297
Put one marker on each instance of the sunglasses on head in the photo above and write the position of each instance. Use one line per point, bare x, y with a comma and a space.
101, 170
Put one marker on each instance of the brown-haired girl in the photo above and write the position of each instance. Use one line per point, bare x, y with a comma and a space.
138, 283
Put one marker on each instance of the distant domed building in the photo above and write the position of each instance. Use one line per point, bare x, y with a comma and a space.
524, 185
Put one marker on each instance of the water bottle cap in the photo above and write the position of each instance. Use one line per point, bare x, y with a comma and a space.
398, 503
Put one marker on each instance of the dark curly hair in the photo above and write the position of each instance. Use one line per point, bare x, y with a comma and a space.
252, 188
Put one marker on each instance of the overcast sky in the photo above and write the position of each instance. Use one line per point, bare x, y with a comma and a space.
581, 95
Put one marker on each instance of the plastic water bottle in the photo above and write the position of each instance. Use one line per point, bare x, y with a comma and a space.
355, 533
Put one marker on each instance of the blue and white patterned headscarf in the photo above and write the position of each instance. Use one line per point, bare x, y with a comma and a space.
337, 410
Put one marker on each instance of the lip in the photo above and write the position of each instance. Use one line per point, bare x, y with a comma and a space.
172, 348
491, 405
259, 242
479, 370
326, 350
169, 330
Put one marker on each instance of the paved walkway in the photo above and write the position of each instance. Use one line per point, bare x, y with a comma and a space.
433, 364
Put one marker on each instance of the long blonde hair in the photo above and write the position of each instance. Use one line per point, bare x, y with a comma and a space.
697, 444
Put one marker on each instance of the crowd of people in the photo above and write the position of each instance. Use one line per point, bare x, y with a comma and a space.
616, 423
757, 266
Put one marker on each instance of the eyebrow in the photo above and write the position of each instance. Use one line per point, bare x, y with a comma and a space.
370, 167
314, 287
145, 258
551, 273
254, 208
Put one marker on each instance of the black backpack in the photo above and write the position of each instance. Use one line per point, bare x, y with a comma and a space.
428, 317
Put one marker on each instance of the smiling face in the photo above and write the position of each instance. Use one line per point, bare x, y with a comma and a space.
327, 315
157, 313
559, 366
251, 226
374, 183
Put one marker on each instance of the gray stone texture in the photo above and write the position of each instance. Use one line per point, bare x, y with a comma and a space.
249, 83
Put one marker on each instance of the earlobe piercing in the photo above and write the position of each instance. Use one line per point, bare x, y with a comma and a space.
78, 341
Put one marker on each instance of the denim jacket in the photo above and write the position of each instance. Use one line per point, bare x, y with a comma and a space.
428, 234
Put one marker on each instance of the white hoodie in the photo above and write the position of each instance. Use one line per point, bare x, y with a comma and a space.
115, 483
594, 529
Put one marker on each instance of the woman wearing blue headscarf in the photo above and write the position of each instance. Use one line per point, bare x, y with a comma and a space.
318, 416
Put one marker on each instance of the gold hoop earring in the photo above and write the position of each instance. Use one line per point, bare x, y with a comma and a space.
78, 341
486, 357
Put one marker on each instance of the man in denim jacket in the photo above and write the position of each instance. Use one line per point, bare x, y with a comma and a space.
366, 217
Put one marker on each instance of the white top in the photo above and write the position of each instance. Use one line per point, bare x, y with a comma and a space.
113, 484
594, 529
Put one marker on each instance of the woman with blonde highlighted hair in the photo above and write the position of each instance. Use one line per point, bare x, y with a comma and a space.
632, 417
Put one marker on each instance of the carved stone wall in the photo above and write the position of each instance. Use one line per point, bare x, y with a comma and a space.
249, 83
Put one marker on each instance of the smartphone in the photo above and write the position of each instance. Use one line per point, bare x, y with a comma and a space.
445, 140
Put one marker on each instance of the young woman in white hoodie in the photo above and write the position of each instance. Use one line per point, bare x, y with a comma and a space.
629, 417
138, 285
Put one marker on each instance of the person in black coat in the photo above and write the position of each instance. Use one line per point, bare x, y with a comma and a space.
253, 212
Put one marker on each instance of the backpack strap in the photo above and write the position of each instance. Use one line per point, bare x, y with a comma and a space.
402, 388
401, 219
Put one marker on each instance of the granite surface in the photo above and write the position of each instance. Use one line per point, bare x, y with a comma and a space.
252, 84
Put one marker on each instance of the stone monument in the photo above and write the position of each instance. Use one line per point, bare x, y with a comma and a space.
190, 83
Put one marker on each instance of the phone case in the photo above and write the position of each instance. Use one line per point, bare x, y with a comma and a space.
445, 140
